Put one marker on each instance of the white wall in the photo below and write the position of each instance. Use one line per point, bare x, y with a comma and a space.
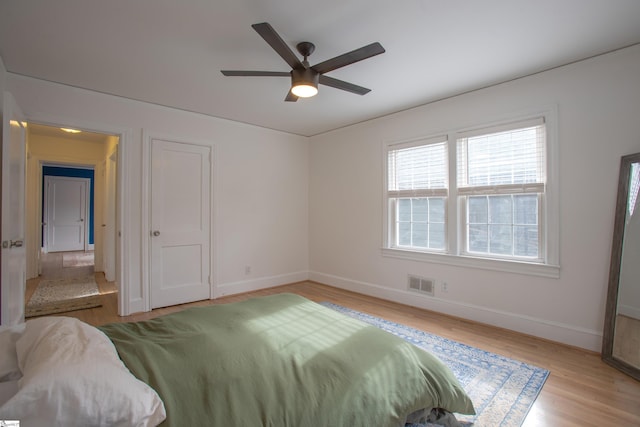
260, 182
3, 77
598, 102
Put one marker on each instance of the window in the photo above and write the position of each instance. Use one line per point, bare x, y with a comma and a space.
501, 181
480, 194
417, 190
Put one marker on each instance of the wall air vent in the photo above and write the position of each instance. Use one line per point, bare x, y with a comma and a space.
422, 285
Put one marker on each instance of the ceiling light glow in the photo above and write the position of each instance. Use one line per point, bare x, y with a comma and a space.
304, 91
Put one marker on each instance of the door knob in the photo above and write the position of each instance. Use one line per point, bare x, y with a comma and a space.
81, 219
156, 233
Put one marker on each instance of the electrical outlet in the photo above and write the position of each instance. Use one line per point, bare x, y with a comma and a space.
247, 269
445, 287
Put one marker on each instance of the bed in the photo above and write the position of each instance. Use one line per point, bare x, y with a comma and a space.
280, 360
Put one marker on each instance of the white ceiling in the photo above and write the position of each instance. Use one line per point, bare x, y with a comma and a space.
54, 132
171, 52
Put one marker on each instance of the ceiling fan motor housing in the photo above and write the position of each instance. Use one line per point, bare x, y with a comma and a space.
304, 76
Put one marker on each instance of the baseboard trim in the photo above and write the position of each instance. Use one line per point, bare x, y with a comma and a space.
629, 311
135, 305
553, 331
259, 283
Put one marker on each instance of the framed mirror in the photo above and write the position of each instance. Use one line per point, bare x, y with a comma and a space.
621, 335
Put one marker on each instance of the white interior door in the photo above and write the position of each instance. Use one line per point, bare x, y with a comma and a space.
13, 254
180, 223
66, 207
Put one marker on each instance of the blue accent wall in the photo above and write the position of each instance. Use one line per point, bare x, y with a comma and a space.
73, 173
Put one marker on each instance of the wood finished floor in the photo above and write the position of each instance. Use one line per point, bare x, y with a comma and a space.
52, 268
581, 389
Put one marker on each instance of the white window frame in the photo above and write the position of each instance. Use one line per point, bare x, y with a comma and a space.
454, 254
392, 196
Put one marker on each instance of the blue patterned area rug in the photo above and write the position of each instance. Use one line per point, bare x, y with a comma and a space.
502, 389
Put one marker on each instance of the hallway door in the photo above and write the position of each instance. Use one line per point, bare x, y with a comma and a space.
66, 207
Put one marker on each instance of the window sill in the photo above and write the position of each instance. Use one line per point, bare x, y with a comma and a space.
518, 267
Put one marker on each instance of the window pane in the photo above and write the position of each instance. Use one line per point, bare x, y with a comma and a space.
419, 234
500, 210
526, 240
436, 210
478, 210
436, 236
500, 239
419, 211
478, 238
525, 209
505, 225
420, 222
404, 234
404, 210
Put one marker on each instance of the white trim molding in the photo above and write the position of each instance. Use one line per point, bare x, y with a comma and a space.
145, 228
125, 142
509, 266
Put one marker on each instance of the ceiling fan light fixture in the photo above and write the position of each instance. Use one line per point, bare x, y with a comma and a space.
304, 83
304, 90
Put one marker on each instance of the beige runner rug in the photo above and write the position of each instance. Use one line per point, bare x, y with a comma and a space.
60, 295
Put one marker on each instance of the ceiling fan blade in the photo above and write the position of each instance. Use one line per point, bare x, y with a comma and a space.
269, 35
341, 84
256, 73
349, 58
291, 97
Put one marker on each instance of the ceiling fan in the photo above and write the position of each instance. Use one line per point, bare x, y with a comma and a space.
305, 78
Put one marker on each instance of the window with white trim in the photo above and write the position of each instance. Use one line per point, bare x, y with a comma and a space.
477, 194
417, 191
501, 183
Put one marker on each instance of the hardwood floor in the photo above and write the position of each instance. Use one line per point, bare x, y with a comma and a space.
53, 267
580, 391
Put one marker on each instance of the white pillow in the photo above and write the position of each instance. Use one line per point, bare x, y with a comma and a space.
74, 377
9, 370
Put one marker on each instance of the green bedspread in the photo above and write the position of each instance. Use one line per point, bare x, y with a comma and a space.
282, 360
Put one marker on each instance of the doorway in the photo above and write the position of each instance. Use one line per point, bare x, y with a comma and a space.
67, 212
71, 205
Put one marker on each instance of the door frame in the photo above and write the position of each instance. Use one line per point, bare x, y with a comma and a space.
123, 242
46, 205
109, 217
147, 137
